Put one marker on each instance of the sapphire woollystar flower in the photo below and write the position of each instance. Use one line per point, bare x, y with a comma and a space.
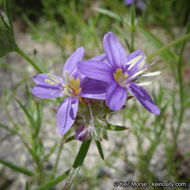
121, 72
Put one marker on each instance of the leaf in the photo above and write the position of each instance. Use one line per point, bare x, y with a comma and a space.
167, 55
7, 41
52, 183
9, 129
69, 139
99, 147
115, 128
39, 107
82, 153
116, 6
50, 152
26, 113
14, 90
108, 13
168, 46
8, 11
78, 163
17, 168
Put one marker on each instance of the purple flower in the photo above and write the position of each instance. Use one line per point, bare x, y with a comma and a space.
140, 3
129, 2
73, 85
121, 72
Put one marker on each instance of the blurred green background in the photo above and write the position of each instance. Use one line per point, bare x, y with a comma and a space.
154, 148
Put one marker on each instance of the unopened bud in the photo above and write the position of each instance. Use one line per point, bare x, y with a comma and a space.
82, 133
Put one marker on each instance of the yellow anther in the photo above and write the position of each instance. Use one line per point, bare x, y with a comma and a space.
53, 78
50, 82
120, 76
72, 80
78, 83
73, 86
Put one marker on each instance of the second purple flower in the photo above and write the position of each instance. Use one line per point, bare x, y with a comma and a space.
121, 72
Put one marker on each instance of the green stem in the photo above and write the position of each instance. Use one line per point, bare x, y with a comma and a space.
181, 92
27, 58
57, 159
133, 27
173, 43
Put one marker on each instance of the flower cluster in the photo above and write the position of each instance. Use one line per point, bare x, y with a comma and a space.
106, 77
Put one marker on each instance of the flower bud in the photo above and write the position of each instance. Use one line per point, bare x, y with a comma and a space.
82, 133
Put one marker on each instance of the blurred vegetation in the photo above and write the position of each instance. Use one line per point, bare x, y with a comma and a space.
74, 23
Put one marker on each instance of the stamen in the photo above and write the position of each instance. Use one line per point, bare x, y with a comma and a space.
120, 77
118, 74
144, 83
133, 61
142, 63
151, 74
66, 76
53, 78
139, 72
50, 82
72, 87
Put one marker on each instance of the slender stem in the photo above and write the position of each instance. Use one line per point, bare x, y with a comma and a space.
181, 92
57, 158
133, 28
173, 43
92, 120
27, 58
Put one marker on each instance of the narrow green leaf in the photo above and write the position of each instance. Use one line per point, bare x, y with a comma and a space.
52, 150
82, 153
52, 183
26, 112
99, 147
69, 139
13, 91
167, 55
39, 107
168, 46
8, 11
29, 60
116, 6
115, 128
71, 178
27, 186
9, 129
17, 168
108, 13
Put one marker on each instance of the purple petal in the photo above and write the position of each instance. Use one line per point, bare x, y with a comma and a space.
66, 114
101, 58
39, 79
94, 89
96, 70
142, 95
129, 2
114, 51
132, 56
115, 96
71, 62
46, 92
141, 5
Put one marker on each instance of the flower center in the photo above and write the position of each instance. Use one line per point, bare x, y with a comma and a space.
120, 77
72, 86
